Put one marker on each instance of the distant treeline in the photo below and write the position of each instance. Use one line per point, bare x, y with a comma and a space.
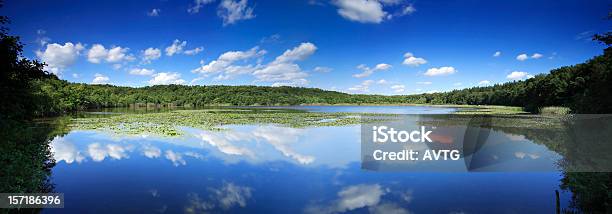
584, 88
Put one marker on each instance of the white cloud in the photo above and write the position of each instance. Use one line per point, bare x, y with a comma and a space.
398, 88
408, 9
176, 47
281, 139
382, 82
517, 75
424, 83
283, 69
98, 53
355, 197
457, 84
63, 150
198, 4
358, 196
411, 60
367, 71
100, 79
150, 54
58, 57
300, 52
225, 197
175, 157
154, 12
322, 69
363, 87
232, 11
226, 63
441, 71
484, 82
364, 11
99, 152
151, 151
164, 78
522, 57
536, 56
142, 71
194, 51
497, 53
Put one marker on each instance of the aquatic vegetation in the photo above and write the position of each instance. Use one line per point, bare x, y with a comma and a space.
170, 123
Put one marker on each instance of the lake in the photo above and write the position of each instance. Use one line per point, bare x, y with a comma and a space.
280, 167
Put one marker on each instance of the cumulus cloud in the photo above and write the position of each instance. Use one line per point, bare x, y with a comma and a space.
226, 65
63, 150
283, 69
232, 11
100, 79
536, 56
150, 54
151, 152
518, 75
411, 60
176, 47
99, 152
364, 11
154, 12
197, 5
98, 53
175, 157
522, 57
166, 78
367, 71
281, 139
59, 57
142, 71
372, 11
382, 81
226, 197
497, 53
358, 196
441, 71
398, 88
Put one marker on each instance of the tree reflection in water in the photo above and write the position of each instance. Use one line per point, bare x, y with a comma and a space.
26, 156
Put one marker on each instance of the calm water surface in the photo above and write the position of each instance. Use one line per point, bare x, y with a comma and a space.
273, 169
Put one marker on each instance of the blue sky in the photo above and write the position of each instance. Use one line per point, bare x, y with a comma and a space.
354, 46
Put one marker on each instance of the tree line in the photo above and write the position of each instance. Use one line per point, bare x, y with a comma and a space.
584, 88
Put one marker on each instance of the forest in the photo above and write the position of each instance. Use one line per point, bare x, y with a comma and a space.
584, 88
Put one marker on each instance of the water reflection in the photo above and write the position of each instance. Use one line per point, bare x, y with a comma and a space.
273, 169
228, 196
360, 196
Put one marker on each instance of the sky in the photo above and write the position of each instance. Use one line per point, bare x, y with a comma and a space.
353, 46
